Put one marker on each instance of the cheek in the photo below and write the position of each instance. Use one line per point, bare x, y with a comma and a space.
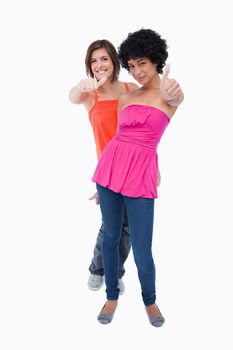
93, 66
152, 71
110, 66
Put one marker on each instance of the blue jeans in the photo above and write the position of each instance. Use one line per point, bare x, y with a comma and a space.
140, 213
96, 267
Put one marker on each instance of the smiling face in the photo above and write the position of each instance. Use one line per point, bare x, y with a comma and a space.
101, 64
142, 70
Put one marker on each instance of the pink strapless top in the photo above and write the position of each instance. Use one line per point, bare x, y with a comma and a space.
129, 163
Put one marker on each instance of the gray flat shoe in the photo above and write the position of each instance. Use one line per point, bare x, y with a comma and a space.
156, 321
105, 318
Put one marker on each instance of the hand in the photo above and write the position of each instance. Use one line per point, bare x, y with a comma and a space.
158, 178
170, 90
90, 84
95, 197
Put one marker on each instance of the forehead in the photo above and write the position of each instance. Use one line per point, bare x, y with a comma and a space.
137, 60
99, 53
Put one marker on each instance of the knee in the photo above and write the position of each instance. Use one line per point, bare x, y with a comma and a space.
110, 239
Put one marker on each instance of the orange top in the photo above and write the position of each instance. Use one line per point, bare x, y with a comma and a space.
103, 118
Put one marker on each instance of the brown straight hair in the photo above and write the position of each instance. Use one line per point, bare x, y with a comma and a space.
100, 44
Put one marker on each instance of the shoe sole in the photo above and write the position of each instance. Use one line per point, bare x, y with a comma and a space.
95, 289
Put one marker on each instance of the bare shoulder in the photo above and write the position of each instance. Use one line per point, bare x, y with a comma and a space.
126, 98
127, 94
133, 86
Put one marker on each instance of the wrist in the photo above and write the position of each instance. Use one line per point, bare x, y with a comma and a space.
174, 102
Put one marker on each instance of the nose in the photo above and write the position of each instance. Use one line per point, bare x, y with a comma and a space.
100, 64
97, 65
137, 72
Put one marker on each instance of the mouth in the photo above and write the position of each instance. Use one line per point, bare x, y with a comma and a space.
100, 74
140, 79
102, 71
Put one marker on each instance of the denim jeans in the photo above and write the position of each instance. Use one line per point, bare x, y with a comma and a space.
96, 267
140, 212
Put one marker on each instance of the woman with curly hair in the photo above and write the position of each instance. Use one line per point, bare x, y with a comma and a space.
127, 170
99, 93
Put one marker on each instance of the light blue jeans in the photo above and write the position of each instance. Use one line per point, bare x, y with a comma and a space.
140, 212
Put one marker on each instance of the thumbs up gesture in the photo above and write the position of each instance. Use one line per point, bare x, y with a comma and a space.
90, 84
170, 90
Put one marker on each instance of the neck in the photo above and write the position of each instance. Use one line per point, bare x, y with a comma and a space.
107, 86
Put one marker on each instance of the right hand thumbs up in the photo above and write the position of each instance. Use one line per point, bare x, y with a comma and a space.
90, 84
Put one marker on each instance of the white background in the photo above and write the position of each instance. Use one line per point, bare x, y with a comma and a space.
48, 226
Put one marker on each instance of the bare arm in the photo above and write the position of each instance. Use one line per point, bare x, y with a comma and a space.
133, 86
78, 96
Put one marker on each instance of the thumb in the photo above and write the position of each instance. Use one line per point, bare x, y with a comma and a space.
166, 72
101, 81
92, 197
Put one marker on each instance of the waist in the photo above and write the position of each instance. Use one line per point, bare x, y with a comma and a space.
141, 142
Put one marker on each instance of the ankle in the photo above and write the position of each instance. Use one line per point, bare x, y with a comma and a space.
110, 306
153, 310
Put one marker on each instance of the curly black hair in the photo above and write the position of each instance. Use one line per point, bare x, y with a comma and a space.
144, 43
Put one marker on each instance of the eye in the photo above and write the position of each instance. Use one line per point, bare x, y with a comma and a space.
104, 59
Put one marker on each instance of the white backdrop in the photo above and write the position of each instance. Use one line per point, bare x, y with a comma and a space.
48, 226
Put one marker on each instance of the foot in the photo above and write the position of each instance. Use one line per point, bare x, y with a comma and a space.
106, 314
95, 282
121, 286
155, 316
